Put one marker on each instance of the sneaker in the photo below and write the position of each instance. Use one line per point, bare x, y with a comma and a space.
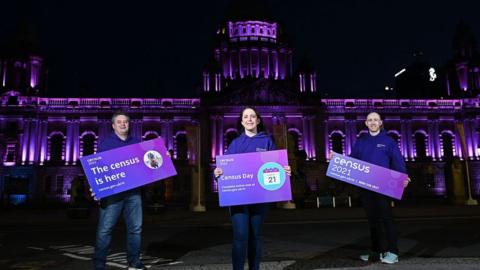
371, 257
389, 258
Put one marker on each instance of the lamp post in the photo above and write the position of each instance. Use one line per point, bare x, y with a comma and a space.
461, 131
470, 200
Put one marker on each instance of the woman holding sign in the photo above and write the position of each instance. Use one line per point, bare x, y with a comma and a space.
247, 220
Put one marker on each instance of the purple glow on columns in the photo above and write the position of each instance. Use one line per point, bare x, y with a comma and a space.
313, 82
313, 154
462, 76
68, 142
76, 142
214, 138
218, 82
43, 143
275, 64
410, 135
35, 67
306, 135
252, 29
206, 82
24, 139
302, 82
4, 73
32, 142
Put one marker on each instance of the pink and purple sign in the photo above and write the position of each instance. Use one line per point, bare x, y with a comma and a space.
366, 175
257, 177
127, 167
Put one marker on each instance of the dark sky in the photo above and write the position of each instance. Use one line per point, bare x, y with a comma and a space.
159, 48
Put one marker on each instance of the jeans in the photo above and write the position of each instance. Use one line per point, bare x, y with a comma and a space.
381, 222
247, 221
131, 205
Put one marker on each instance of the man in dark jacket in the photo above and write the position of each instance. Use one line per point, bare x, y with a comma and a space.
129, 202
378, 148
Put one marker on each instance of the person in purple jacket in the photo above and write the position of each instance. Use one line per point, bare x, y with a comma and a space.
378, 148
247, 220
129, 202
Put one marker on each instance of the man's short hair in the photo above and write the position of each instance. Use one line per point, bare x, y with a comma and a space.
118, 113
381, 118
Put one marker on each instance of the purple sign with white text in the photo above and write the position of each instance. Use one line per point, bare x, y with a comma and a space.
127, 167
366, 175
257, 177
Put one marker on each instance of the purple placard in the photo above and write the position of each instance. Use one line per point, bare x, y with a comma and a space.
127, 167
366, 175
256, 177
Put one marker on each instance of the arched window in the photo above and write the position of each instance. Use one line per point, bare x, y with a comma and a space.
10, 153
360, 134
447, 142
295, 138
150, 135
337, 142
88, 143
420, 140
230, 135
181, 146
396, 137
56, 147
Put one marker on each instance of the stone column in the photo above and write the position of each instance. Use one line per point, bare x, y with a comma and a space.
25, 140
326, 139
458, 144
220, 135
469, 138
306, 135
43, 142
104, 128
404, 139
32, 142
431, 142
409, 140
313, 150
75, 141
213, 133
68, 141
350, 134
436, 140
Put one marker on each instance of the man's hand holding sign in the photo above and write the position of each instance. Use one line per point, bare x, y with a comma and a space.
118, 170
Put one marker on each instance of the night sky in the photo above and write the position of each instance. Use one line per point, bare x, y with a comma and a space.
158, 49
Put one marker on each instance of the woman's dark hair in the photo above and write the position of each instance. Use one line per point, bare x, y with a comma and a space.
260, 126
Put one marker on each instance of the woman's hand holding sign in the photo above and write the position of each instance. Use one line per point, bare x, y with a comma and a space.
217, 172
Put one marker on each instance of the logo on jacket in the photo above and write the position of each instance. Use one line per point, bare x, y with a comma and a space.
260, 149
381, 145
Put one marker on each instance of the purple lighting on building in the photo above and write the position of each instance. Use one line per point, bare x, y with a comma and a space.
35, 67
4, 72
253, 30
462, 74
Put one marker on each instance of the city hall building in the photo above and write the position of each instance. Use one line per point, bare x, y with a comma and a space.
42, 138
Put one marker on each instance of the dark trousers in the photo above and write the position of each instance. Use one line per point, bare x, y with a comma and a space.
381, 222
247, 222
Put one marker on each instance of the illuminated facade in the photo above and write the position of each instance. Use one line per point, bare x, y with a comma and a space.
42, 139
